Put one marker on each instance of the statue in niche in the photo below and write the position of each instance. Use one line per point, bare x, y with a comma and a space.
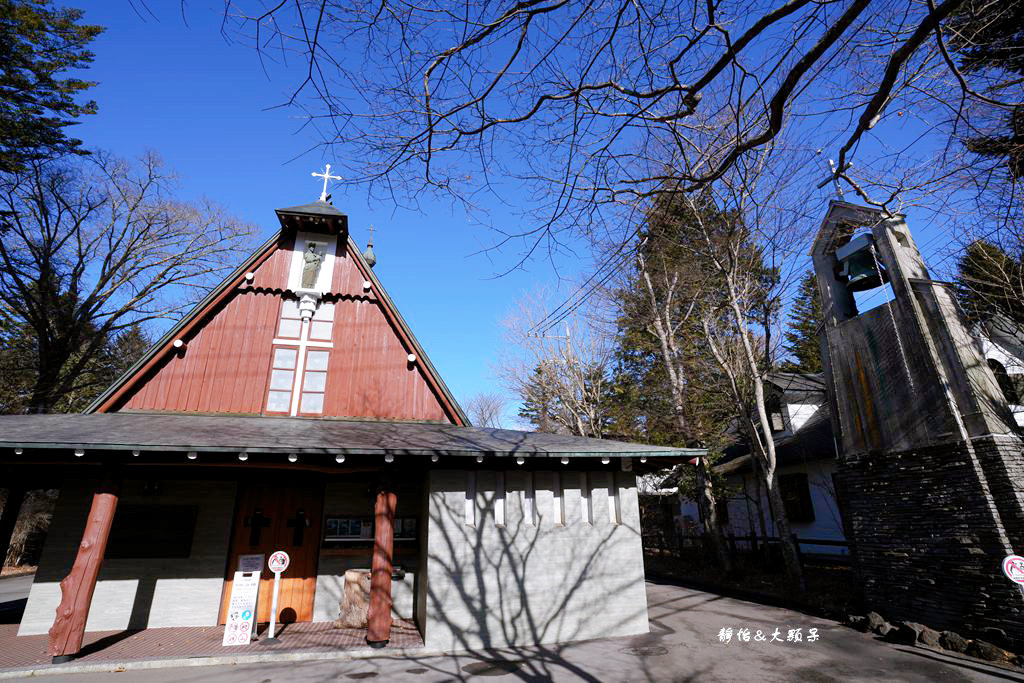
312, 259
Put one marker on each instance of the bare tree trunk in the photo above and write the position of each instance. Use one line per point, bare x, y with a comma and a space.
662, 327
762, 435
756, 469
790, 552
709, 516
763, 445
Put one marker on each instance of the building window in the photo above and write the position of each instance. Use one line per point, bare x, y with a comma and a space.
529, 501
796, 497
291, 324
1006, 383
585, 514
282, 377
314, 382
499, 499
614, 511
470, 510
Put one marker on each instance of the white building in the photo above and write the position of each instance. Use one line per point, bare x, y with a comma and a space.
805, 449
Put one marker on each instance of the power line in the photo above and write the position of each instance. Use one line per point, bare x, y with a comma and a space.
612, 263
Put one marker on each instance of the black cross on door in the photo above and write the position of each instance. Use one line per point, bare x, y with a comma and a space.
299, 523
256, 523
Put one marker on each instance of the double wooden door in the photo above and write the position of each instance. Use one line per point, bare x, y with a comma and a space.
281, 515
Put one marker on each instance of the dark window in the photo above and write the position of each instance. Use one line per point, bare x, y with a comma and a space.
143, 531
722, 508
1006, 385
796, 497
774, 409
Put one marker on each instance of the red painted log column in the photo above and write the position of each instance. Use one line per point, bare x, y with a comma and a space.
378, 631
78, 586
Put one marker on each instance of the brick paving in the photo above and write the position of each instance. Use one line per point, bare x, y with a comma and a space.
197, 641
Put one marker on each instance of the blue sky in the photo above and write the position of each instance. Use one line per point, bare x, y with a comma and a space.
207, 107
176, 86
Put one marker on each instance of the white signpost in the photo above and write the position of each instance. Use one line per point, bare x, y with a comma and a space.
245, 590
277, 563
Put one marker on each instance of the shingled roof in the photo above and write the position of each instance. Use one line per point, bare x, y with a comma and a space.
259, 434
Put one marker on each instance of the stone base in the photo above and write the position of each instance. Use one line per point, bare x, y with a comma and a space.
927, 530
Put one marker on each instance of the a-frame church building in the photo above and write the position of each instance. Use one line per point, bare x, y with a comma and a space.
293, 409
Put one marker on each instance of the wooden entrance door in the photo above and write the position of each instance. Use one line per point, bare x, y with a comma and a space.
283, 515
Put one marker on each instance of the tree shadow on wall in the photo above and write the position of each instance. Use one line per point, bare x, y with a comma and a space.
516, 595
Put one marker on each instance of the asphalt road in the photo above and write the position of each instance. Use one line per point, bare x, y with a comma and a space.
15, 587
683, 645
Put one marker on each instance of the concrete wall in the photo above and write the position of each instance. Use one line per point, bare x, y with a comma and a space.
136, 593
354, 498
491, 585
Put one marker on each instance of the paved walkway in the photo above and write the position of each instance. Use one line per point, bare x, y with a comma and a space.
105, 647
683, 645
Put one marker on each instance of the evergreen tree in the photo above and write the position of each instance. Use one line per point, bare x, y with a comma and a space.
19, 370
990, 36
567, 396
990, 284
537, 402
39, 43
802, 335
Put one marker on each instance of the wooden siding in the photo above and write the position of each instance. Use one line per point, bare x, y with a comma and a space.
225, 367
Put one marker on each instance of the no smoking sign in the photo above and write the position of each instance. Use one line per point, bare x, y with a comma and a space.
278, 562
1013, 567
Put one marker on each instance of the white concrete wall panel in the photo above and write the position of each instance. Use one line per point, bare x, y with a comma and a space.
137, 593
492, 586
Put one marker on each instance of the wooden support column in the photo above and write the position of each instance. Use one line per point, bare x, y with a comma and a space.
9, 517
378, 631
78, 586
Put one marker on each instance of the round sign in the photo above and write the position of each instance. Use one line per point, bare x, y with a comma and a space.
278, 562
1013, 567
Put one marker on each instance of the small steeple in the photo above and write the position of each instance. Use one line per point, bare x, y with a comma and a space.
368, 255
318, 216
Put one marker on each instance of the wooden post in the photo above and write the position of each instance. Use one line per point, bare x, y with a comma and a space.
378, 631
15, 496
78, 586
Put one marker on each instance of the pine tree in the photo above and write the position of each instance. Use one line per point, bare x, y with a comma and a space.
538, 402
990, 283
990, 36
38, 43
19, 370
802, 335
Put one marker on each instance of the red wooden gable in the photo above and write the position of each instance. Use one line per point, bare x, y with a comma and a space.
243, 352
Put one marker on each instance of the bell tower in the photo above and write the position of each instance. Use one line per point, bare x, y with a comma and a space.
930, 466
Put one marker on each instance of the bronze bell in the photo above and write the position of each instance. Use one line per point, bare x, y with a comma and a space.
858, 266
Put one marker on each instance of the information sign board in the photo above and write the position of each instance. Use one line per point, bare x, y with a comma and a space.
250, 563
245, 590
